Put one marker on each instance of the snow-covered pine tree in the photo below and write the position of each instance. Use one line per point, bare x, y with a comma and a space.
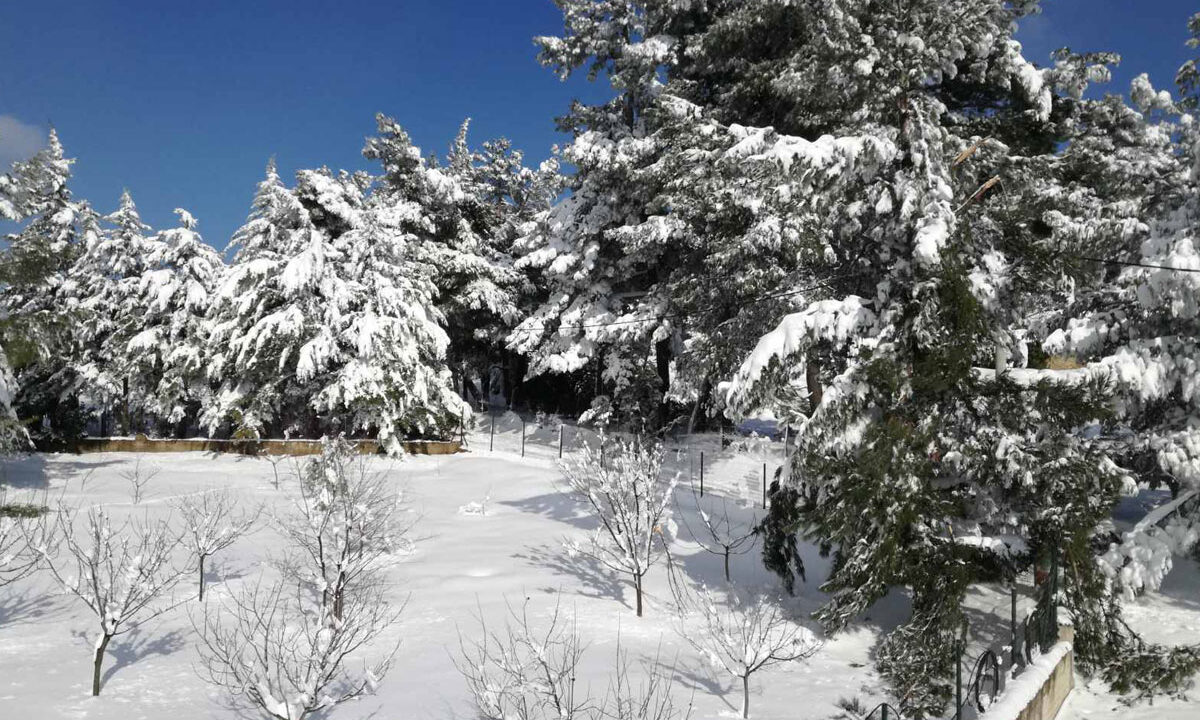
38, 324
500, 198
591, 280
379, 351
674, 251
1136, 322
257, 324
325, 320
167, 354
12, 434
105, 290
916, 466
454, 228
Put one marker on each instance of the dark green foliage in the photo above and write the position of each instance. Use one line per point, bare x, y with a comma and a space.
22, 510
781, 554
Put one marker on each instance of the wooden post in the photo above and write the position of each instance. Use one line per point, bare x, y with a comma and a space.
492, 439
522, 437
701, 473
560, 440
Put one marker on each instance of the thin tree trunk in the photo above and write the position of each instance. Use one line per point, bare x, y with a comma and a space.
201, 578
701, 402
125, 420
727, 565
745, 696
637, 587
662, 361
812, 378
97, 662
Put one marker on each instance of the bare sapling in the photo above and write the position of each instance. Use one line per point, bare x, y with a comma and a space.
277, 652
740, 632
123, 573
345, 526
623, 489
213, 523
720, 533
522, 672
275, 461
529, 670
138, 478
644, 697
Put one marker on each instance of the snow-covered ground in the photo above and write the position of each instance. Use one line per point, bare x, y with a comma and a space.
463, 565
1171, 616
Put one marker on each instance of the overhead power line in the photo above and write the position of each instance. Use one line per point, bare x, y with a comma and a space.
1130, 263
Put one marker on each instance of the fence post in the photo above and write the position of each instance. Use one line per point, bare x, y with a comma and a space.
1012, 623
522, 437
492, 438
701, 473
1050, 634
560, 440
962, 647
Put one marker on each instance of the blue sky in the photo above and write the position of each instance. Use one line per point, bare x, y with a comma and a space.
183, 103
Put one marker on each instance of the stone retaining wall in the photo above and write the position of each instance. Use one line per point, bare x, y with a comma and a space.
143, 444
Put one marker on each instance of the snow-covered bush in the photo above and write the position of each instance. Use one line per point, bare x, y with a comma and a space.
123, 573
740, 632
620, 484
211, 524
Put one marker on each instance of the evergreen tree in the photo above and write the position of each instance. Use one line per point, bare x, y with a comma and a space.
453, 228
499, 199
105, 289
255, 327
915, 466
39, 325
1135, 321
325, 321
166, 357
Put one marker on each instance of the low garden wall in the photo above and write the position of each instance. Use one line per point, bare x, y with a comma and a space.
1040, 691
143, 444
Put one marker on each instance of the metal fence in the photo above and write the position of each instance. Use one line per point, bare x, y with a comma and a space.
1036, 633
724, 462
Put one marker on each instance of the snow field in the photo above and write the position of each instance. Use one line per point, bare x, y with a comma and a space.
491, 531
463, 566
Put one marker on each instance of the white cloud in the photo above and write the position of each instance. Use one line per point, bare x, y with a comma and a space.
18, 140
